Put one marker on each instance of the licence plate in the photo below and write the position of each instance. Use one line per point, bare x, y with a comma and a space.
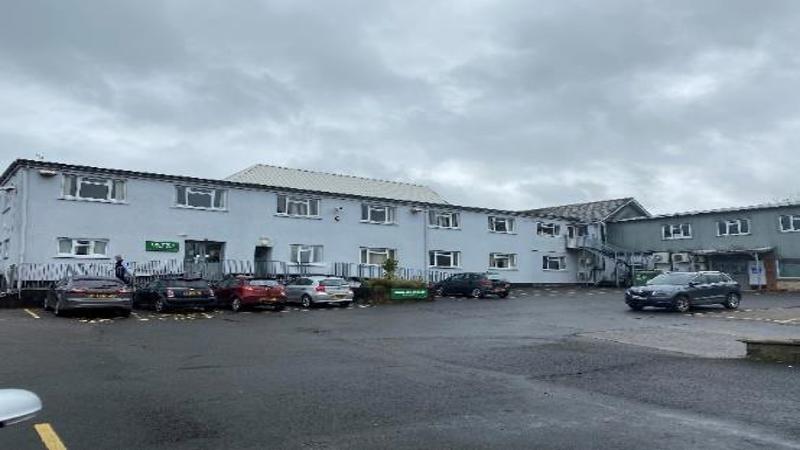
339, 296
102, 295
192, 293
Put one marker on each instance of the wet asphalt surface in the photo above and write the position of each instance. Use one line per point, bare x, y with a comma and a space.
565, 368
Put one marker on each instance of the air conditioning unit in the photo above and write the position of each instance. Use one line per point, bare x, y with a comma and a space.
661, 257
678, 258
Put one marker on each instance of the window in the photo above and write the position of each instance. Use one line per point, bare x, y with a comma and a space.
548, 229
444, 259
377, 214
197, 197
377, 256
736, 227
82, 248
789, 268
680, 231
583, 230
441, 219
554, 263
305, 254
790, 223
77, 187
501, 224
298, 206
503, 260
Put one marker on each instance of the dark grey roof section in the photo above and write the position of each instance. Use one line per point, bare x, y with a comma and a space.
776, 205
335, 183
588, 212
47, 165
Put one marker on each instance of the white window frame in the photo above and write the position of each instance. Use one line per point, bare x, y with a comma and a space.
794, 223
217, 196
510, 224
549, 229
436, 217
495, 257
365, 252
562, 263
676, 231
454, 255
390, 213
91, 243
287, 200
738, 223
114, 185
315, 250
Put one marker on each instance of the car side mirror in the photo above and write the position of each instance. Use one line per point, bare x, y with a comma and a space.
17, 405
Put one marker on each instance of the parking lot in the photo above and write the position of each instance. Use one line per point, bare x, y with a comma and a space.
544, 368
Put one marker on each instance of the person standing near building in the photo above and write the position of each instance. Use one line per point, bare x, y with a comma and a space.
121, 270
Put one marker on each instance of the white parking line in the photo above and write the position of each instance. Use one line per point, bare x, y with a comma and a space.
32, 314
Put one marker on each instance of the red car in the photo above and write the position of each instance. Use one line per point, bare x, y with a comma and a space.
245, 292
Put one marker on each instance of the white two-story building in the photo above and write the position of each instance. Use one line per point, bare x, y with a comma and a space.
262, 218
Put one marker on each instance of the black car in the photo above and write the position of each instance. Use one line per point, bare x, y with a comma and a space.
682, 290
83, 293
474, 284
170, 293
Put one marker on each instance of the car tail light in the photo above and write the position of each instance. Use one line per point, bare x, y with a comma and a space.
170, 293
320, 288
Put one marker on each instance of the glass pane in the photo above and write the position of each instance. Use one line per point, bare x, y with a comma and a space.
455, 220
744, 226
733, 228
82, 247
118, 190
281, 204
65, 246
377, 257
317, 256
722, 228
364, 212
70, 188
94, 188
305, 255
180, 195
378, 214
795, 223
686, 230
200, 198
667, 230
790, 268
99, 247
219, 198
314, 207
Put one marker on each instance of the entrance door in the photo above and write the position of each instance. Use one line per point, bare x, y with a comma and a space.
204, 259
262, 261
736, 268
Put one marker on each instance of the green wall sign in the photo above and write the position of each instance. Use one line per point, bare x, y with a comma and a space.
408, 294
161, 246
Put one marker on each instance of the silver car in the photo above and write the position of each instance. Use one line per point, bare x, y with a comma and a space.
310, 290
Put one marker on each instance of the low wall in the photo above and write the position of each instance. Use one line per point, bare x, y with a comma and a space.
788, 285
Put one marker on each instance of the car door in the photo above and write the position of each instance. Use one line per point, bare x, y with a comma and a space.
703, 291
224, 289
455, 284
446, 285
716, 287
294, 289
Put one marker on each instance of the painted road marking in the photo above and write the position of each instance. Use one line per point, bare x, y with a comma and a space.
49, 437
32, 314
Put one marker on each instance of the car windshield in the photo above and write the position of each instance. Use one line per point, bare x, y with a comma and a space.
195, 284
262, 283
98, 283
671, 278
333, 282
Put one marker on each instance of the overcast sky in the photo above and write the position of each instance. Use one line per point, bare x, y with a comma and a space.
508, 104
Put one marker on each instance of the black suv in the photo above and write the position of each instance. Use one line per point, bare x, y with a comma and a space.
682, 290
477, 285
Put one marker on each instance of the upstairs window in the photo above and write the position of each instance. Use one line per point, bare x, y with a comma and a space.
305, 254
503, 260
377, 214
442, 219
79, 187
197, 197
548, 229
679, 231
554, 263
298, 206
501, 224
85, 248
6, 248
444, 259
736, 227
377, 256
790, 223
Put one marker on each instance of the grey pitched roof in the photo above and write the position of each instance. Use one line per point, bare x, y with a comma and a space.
586, 212
336, 184
734, 209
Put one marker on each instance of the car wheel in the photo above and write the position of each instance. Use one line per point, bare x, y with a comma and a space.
732, 301
159, 305
236, 304
503, 295
439, 292
682, 304
476, 293
125, 313
636, 307
306, 301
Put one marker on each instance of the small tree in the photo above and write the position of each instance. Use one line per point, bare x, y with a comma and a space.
390, 267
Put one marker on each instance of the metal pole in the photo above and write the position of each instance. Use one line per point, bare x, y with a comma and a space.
758, 268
